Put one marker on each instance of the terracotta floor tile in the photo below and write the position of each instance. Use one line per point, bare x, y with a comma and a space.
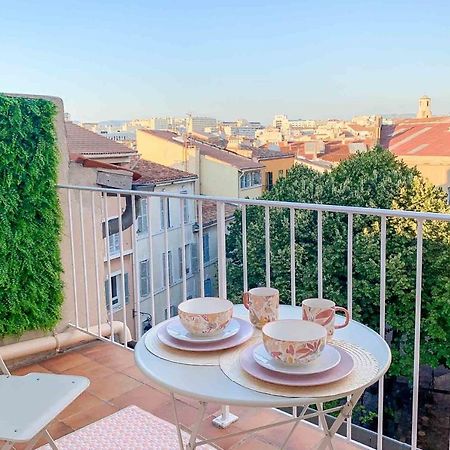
30, 368
84, 401
91, 369
116, 358
64, 362
253, 443
135, 372
112, 386
142, 396
87, 416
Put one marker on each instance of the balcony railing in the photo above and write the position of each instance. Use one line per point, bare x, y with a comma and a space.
103, 292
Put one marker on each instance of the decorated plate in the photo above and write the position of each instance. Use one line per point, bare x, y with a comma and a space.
176, 329
249, 365
328, 359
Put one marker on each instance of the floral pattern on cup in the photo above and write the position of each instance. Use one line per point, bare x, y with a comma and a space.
294, 352
205, 324
262, 304
324, 314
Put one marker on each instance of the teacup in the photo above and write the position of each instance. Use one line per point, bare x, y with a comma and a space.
262, 304
205, 316
294, 342
323, 312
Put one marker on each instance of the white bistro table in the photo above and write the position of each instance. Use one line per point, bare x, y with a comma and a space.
208, 384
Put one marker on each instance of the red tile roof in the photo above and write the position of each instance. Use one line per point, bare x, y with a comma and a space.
260, 154
87, 162
221, 154
153, 173
209, 212
418, 137
85, 142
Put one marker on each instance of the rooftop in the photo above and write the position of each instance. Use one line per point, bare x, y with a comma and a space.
154, 173
418, 137
212, 151
117, 383
261, 154
209, 212
85, 142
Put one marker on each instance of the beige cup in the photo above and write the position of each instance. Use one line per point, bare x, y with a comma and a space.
323, 312
262, 304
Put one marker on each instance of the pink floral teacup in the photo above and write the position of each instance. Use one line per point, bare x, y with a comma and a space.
262, 304
323, 312
294, 342
205, 316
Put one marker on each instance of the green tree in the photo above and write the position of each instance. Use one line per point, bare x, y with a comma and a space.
375, 179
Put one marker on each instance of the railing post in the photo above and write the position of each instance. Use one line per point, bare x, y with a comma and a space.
226, 418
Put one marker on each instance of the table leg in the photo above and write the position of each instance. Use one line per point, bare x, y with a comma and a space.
324, 424
196, 427
344, 414
177, 422
299, 418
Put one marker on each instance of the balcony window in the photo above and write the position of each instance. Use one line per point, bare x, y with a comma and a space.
185, 208
142, 220
117, 296
250, 179
165, 215
206, 256
170, 269
114, 243
144, 278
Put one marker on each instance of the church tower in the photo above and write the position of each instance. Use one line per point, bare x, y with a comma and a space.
424, 107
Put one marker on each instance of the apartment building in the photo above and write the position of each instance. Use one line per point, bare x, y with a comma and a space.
423, 143
220, 172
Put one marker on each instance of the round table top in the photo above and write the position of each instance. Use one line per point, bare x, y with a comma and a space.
210, 384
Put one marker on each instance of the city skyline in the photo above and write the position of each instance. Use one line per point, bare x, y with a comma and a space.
228, 60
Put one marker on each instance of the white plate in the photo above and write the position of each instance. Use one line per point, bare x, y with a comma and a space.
328, 359
176, 329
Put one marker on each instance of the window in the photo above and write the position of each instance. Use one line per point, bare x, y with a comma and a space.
117, 296
144, 278
170, 269
164, 203
250, 179
208, 287
269, 180
187, 249
142, 220
185, 208
206, 256
114, 243
180, 262
194, 257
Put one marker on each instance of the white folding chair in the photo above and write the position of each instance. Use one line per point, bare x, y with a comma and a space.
29, 403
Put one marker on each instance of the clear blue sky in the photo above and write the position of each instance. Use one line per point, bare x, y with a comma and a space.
228, 59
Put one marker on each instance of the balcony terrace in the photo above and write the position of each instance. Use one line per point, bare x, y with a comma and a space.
117, 383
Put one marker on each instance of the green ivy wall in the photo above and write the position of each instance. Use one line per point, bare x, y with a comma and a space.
31, 290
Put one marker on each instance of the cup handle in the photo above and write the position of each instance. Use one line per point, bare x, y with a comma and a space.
245, 299
347, 317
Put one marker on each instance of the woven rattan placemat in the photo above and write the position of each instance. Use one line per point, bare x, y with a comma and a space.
364, 371
163, 351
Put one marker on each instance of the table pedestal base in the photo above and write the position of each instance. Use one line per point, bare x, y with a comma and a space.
225, 419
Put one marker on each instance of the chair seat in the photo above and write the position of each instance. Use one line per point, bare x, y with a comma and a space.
29, 403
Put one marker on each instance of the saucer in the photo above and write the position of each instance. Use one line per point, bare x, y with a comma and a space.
244, 334
176, 329
328, 359
249, 365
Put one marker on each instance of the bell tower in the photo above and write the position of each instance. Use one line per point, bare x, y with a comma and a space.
424, 107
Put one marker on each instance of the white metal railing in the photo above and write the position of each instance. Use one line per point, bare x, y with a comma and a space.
101, 199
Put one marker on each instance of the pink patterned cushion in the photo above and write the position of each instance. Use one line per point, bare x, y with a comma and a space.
130, 428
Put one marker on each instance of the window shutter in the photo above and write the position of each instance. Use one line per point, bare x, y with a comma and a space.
194, 258
127, 291
107, 294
